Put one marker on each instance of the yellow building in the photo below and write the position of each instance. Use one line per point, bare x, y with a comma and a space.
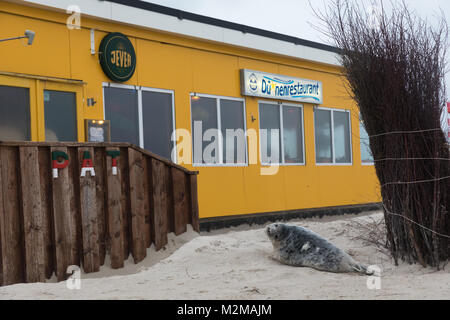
294, 140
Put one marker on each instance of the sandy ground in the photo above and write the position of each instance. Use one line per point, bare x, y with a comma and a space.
236, 263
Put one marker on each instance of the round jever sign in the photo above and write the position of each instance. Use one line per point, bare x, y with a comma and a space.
117, 57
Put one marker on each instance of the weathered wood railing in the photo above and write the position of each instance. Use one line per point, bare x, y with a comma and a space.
48, 223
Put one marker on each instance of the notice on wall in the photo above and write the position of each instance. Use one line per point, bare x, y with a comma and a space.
97, 130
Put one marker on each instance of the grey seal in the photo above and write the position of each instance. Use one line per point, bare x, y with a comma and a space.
300, 247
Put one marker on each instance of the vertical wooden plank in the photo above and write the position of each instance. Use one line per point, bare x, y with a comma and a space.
159, 222
33, 222
45, 172
76, 239
137, 204
180, 201
147, 186
61, 211
100, 184
125, 202
194, 203
88, 209
150, 198
169, 199
10, 220
114, 212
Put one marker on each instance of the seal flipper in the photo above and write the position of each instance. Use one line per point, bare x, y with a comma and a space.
361, 269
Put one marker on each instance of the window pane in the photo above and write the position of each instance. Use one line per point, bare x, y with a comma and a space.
121, 108
60, 109
322, 129
157, 122
342, 137
293, 134
366, 153
270, 136
232, 118
14, 113
204, 118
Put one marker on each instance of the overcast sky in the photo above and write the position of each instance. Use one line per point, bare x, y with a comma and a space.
292, 17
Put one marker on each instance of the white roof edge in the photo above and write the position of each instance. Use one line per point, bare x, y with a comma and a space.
156, 21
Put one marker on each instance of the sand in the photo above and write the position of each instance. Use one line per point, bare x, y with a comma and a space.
236, 263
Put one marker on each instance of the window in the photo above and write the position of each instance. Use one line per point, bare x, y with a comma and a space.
281, 134
121, 108
14, 113
60, 113
142, 116
158, 120
366, 153
218, 130
332, 136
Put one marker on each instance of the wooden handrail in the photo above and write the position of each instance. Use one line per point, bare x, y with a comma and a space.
95, 144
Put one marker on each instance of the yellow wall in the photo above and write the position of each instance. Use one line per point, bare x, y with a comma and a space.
186, 65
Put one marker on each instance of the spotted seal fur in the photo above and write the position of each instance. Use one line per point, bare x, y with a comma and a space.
298, 246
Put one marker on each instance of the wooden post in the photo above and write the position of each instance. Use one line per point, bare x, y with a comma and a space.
137, 204
33, 222
180, 201
125, 202
100, 186
63, 228
45, 172
89, 220
147, 186
10, 221
114, 209
194, 203
159, 215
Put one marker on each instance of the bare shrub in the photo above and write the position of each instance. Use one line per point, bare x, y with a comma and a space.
394, 69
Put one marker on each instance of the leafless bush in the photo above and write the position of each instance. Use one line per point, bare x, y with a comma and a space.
372, 232
394, 65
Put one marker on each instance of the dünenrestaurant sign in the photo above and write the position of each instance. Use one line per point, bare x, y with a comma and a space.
117, 57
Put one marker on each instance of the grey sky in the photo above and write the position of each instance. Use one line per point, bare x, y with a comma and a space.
292, 17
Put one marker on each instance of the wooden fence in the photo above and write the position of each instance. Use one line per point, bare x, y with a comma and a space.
127, 200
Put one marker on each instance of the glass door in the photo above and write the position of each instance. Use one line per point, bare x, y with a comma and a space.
17, 109
62, 112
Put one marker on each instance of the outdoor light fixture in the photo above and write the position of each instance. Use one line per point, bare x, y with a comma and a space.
28, 34
91, 102
195, 97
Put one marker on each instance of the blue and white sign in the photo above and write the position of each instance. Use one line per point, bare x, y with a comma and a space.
274, 86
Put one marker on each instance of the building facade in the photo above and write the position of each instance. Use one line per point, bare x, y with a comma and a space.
265, 118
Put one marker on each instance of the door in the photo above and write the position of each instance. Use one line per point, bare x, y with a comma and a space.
61, 112
18, 118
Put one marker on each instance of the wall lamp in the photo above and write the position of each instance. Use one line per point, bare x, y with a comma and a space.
28, 34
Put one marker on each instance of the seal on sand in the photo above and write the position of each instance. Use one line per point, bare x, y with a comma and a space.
300, 247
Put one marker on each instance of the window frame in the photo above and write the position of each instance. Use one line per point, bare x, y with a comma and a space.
219, 128
280, 105
332, 110
361, 125
139, 90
